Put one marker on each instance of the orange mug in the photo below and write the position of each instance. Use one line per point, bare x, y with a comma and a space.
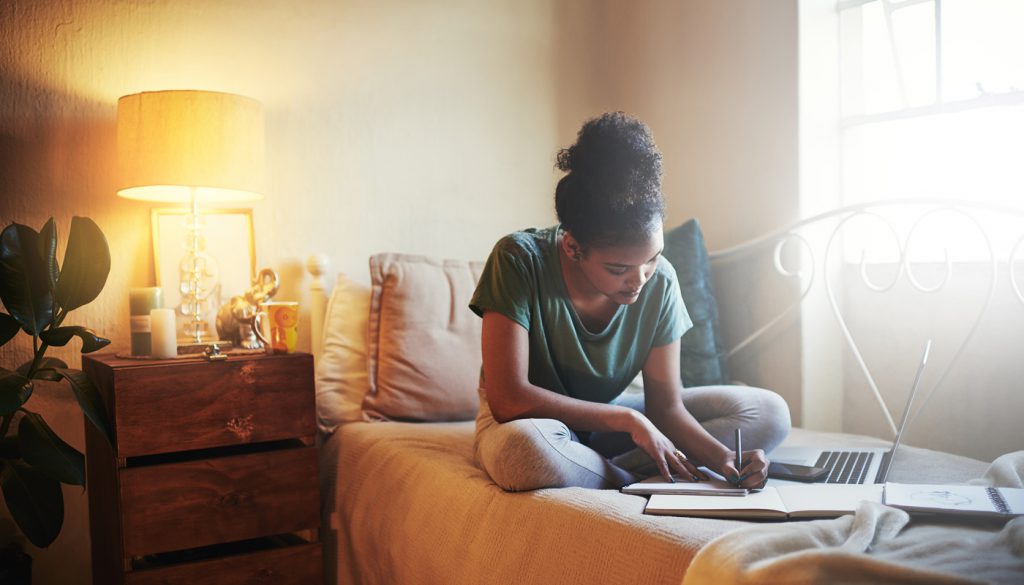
276, 324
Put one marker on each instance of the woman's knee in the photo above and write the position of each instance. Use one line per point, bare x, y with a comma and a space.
762, 414
522, 454
773, 418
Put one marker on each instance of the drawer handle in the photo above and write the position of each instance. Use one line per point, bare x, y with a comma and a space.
248, 373
241, 426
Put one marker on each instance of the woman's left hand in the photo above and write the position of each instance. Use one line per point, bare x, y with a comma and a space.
752, 475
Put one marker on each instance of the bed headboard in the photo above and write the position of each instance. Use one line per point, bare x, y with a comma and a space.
833, 311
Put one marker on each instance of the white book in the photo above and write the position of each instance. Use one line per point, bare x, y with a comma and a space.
773, 502
971, 500
657, 485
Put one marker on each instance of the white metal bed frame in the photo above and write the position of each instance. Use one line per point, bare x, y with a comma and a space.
812, 264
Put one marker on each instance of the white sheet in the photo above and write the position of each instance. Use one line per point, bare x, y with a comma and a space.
877, 544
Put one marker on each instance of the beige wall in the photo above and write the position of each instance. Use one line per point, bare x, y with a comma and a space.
717, 81
404, 126
397, 125
391, 125
407, 126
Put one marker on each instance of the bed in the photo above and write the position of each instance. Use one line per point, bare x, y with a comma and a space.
403, 501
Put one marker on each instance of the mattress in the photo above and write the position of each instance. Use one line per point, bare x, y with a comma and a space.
404, 503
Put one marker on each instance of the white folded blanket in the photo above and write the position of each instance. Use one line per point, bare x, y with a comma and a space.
877, 544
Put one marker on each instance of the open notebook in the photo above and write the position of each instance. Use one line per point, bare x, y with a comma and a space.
779, 502
969, 500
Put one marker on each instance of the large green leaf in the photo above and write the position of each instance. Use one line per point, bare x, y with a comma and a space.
86, 265
46, 369
60, 336
35, 501
15, 390
8, 328
90, 401
24, 286
48, 252
44, 450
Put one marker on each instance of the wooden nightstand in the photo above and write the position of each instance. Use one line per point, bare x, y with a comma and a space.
213, 473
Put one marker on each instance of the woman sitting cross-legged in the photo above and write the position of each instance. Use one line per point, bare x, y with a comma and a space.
572, 313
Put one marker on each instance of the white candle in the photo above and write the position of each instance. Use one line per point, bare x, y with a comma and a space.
165, 339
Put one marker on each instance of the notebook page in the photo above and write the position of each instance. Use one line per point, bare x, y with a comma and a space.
764, 504
1014, 498
826, 500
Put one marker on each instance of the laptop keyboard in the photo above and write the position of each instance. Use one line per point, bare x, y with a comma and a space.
845, 466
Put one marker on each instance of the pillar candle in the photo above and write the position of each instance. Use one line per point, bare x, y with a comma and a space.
165, 338
140, 302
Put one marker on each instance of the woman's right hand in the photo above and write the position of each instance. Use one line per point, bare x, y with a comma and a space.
659, 448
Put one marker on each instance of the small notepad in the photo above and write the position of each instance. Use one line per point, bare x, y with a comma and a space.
969, 500
657, 485
779, 502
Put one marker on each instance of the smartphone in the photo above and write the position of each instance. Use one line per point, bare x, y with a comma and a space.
795, 472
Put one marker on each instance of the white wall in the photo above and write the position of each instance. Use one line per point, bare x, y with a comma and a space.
818, 80
717, 82
392, 125
399, 125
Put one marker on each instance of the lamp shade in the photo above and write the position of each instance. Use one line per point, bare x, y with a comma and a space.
173, 144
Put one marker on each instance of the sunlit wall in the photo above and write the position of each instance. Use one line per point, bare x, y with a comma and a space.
392, 125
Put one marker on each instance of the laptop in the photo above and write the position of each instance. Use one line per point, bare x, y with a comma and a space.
853, 466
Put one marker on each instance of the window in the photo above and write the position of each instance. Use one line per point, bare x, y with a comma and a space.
932, 99
932, 106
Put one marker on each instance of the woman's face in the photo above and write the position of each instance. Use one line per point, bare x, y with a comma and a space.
620, 272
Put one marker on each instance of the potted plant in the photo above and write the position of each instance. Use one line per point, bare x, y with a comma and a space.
38, 294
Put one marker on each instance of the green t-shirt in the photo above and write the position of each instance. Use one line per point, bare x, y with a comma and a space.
523, 281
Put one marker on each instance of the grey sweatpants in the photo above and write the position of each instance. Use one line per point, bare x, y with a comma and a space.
534, 453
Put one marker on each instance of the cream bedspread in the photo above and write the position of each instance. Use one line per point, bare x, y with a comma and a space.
877, 544
404, 504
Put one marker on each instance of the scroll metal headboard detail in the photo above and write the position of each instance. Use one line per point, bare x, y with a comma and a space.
925, 209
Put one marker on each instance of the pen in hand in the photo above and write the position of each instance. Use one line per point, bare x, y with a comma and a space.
739, 456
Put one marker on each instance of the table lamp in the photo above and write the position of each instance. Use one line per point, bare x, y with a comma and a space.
191, 147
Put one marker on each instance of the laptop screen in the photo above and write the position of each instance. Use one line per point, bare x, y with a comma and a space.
883, 472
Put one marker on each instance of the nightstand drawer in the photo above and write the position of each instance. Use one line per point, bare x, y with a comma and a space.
197, 503
294, 565
197, 405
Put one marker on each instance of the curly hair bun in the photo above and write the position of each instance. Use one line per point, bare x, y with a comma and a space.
612, 192
610, 143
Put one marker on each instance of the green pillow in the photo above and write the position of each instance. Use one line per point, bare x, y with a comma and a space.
702, 360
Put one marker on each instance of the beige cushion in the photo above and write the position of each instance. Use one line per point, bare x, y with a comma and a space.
424, 342
342, 380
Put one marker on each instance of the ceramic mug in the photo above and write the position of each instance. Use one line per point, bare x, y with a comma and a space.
276, 324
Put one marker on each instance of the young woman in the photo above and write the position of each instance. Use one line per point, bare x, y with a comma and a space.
572, 313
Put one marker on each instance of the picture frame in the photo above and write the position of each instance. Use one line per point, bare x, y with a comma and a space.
230, 242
